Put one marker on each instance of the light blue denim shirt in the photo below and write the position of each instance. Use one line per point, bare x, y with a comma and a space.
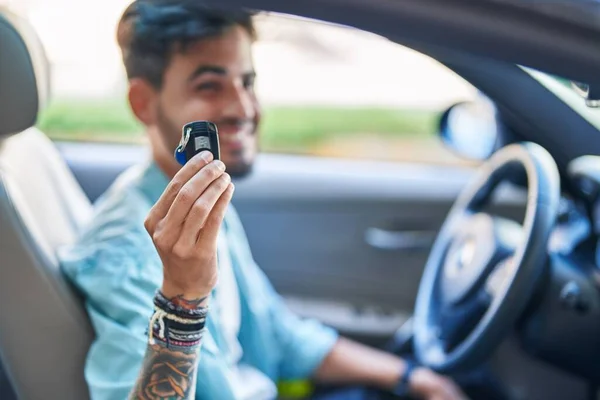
115, 265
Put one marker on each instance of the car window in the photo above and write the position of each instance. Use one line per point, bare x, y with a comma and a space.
326, 90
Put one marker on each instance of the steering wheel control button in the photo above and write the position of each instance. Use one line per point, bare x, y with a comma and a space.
497, 278
571, 296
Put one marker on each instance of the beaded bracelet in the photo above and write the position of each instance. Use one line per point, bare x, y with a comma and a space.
185, 336
170, 342
174, 337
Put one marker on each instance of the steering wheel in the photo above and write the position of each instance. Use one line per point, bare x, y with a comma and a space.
482, 269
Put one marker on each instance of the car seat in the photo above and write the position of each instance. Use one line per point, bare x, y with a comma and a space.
44, 330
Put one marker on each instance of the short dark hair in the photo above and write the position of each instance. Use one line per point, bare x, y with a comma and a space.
151, 31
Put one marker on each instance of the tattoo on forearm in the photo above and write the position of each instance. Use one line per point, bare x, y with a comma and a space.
167, 374
174, 335
185, 303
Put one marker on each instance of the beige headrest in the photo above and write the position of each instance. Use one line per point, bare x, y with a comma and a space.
24, 74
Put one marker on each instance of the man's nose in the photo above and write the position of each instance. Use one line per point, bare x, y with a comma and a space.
241, 104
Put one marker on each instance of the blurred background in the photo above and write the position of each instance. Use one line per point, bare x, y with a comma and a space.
327, 90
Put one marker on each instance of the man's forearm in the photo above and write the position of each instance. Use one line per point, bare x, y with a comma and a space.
351, 362
167, 374
171, 360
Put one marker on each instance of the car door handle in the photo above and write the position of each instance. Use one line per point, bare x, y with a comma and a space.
383, 239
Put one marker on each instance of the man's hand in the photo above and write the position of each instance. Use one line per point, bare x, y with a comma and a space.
354, 363
428, 385
184, 224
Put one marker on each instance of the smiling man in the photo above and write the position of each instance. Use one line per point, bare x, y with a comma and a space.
165, 245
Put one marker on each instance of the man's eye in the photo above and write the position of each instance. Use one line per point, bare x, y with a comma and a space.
249, 82
208, 86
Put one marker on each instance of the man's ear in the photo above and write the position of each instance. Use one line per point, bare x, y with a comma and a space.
142, 100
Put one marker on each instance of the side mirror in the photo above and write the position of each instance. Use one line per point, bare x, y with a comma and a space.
471, 129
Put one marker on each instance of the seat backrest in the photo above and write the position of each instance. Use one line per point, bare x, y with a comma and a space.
44, 331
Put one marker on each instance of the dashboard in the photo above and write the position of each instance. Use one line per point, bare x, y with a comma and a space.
584, 173
563, 324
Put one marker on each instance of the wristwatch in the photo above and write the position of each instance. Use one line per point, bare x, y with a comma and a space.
403, 386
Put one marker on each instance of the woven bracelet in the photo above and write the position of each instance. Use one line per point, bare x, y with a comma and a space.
165, 304
183, 321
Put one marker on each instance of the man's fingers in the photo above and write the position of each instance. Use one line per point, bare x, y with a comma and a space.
192, 190
215, 218
456, 391
451, 391
189, 170
202, 209
170, 227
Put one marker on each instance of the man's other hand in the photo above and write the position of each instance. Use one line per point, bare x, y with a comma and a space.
429, 385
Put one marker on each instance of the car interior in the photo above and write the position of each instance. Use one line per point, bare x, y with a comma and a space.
380, 246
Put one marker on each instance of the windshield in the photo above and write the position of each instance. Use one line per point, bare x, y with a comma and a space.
563, 90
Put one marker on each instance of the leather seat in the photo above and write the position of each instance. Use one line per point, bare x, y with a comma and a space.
44, 330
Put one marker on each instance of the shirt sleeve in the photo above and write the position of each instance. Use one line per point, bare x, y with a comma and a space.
118, 279
300, 345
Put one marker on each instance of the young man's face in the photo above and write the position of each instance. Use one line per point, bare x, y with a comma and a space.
213, 80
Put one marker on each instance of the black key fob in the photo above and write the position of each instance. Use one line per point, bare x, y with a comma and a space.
197, 136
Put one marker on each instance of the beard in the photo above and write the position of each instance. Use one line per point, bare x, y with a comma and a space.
171, 135
240, 169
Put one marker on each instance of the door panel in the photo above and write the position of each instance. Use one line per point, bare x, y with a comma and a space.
344, 241
351, 237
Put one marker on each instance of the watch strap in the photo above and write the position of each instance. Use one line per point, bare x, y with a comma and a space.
403, 386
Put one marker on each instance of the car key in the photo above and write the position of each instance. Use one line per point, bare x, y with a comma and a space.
196, 137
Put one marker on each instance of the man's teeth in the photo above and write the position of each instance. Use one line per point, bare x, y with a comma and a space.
234, 136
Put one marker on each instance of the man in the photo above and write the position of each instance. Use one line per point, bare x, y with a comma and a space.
163, 227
